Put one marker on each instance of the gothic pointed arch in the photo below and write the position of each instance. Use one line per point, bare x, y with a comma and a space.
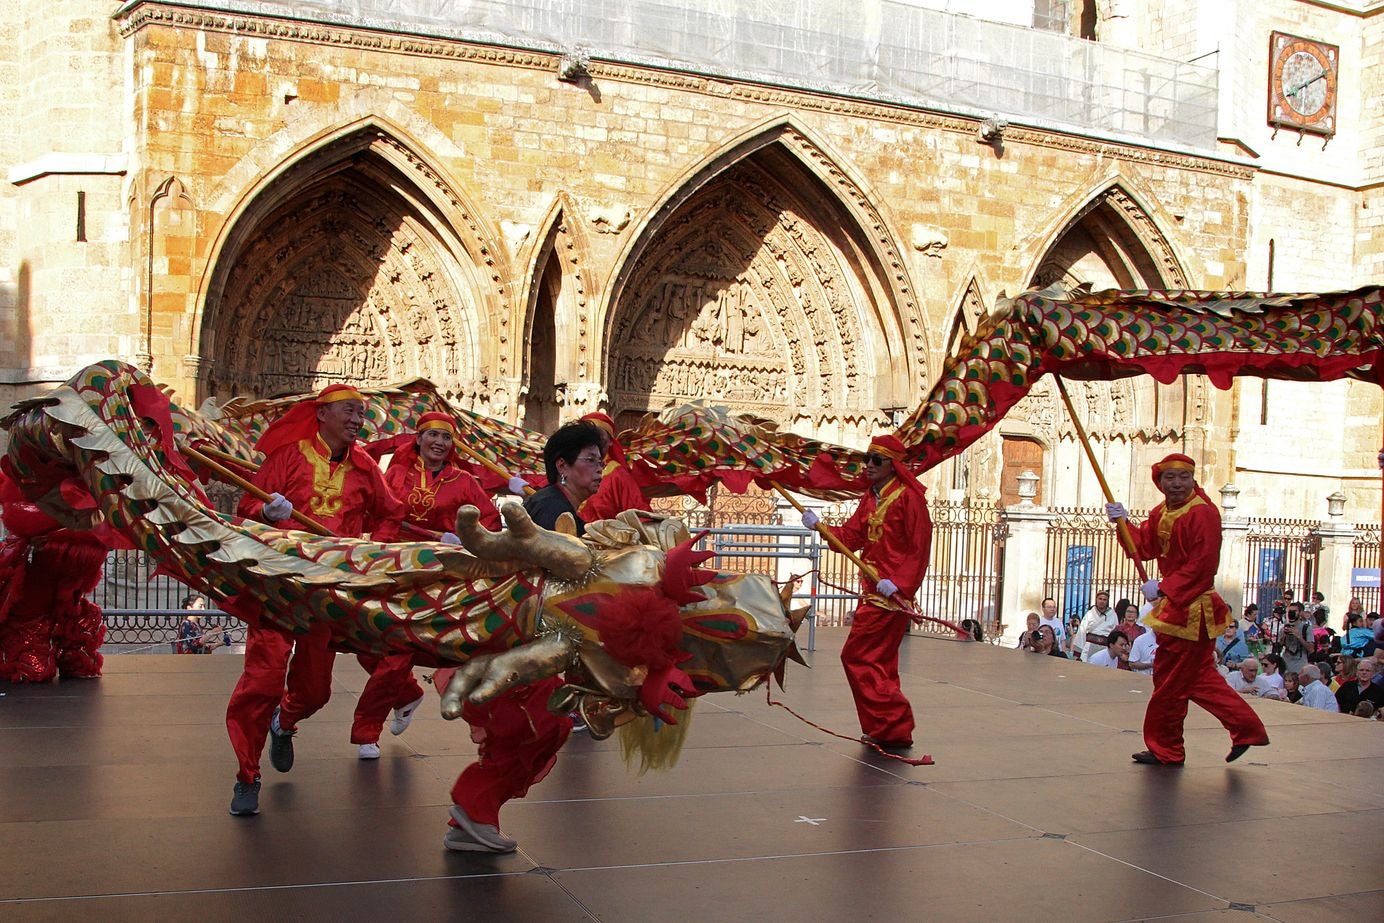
1109, 240
557, 326
354, 261
766, 281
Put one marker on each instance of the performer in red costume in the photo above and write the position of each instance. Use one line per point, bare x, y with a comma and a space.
517, 736
893, 533
47, 627
311, 462
619, 491
424, 474
1184, 534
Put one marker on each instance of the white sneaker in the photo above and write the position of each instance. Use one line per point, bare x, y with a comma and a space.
368, 752
403, 717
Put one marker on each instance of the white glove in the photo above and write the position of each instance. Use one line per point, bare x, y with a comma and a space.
1150, 590
887, 588
278, 508
810, 519
1116, 511
450, 538
517, 485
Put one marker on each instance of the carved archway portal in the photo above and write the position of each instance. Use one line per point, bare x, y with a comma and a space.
754, 294
343, 277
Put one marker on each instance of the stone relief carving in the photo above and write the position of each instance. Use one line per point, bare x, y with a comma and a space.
610, 219
928, 241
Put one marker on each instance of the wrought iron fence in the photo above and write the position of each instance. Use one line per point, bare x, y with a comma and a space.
157, 628
1083, 557
1366, 557
1281, 554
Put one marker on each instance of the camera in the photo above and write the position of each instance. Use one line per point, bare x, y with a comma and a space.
1279, 608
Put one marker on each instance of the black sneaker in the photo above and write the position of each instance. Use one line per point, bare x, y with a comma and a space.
280, 745
245, 801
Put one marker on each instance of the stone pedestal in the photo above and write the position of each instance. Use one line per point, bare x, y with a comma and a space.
1025, 555
1230, 570
1335, 560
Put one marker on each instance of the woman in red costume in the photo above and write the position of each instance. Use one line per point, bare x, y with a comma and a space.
47, 627
312, 463
424, 474
892, 530
1184, 534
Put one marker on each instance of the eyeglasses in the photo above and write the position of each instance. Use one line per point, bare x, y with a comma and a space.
589, 459
873, 459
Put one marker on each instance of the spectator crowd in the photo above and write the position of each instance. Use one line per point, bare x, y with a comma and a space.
1292, 654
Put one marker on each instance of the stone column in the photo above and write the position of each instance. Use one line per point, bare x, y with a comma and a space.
1230, 570
1335, 559
1025, 563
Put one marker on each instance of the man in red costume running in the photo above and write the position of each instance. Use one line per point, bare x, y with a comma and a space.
425, 476
312, 463
1184, 534
893, 533
619, 491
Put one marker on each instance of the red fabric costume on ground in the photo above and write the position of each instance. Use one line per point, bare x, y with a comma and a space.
619, 491
431, 501
892, 530
1188, 616
348, 498
47, 627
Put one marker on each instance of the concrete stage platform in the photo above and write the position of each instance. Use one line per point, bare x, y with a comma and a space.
113, 798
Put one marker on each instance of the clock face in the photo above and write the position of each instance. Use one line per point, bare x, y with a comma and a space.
1302, 84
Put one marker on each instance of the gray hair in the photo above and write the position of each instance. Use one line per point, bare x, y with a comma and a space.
1310, 673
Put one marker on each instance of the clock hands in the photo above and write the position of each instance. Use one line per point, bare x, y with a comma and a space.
1306, 83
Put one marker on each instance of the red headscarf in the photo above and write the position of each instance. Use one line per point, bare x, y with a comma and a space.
607, 426
407, 453
1179, 462
892, 448
1175, 461
301, 422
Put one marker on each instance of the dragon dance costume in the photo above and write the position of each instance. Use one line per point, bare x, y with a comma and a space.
892, 530
47, 627
348, 498
431, 500
1187, 618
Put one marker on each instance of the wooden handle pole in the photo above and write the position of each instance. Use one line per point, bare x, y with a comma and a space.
897, 599
1122, 527
228, 457
487, 463
307, 522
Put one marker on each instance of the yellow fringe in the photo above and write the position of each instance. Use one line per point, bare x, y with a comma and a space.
655, 749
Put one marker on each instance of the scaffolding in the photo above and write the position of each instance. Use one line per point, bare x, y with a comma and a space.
873, 50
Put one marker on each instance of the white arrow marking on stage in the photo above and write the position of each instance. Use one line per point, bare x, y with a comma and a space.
814, 821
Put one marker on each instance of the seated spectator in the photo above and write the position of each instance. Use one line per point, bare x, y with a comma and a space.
1142, 652
1115, 654
1290, 686
1072, 646
1342, 670
1358, 640
1271, 669
1314, 694
1360, 689
1045, 642
1129, 620
1375, 624
1051, 619
1231, 647
1247, 681
1026, 636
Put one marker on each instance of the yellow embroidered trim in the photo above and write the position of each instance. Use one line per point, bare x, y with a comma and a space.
327, 479
1165, 521
874, 527
1201, 610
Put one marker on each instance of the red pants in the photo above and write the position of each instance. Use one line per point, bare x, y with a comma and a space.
391, 685
871, 659
1186, 671
261, 688
519, 739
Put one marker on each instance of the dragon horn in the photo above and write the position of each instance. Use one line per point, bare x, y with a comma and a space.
565, 556
680, 573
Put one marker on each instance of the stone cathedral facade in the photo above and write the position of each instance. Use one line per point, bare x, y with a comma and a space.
262, 197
